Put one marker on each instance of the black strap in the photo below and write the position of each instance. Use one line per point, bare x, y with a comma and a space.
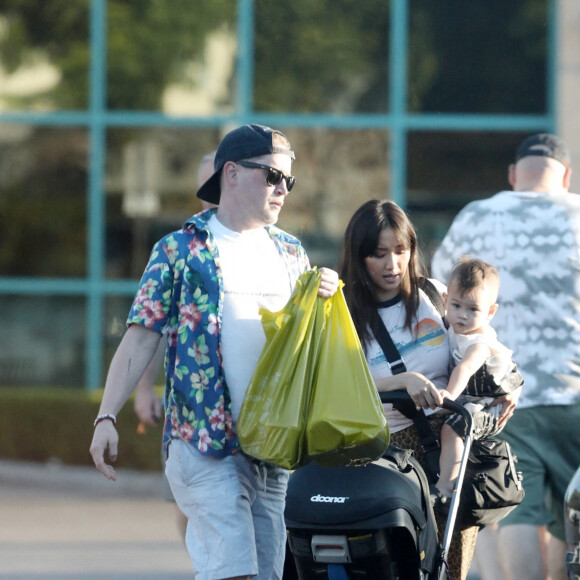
429, 441
433, 294
394, 359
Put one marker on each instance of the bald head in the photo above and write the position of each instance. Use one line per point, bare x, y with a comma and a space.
542, 164
534, 173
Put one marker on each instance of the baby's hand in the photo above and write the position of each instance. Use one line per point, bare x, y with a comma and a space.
446, 394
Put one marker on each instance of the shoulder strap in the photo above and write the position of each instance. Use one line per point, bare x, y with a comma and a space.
394, 359
429, 440
433, 294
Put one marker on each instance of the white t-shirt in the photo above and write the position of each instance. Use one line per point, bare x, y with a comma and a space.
255, 276
425, 351
500, 360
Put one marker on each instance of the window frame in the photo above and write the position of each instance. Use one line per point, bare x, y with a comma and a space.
98, 120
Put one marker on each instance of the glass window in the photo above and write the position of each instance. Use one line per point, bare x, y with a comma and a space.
177, 57
151, 186
481, 56
447, 170
31, 352
44, 55
326, 56
336, 172
43, 203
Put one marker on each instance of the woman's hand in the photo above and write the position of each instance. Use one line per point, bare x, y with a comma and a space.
508, 404
423, 392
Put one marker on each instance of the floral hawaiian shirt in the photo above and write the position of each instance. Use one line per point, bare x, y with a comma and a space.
181, 295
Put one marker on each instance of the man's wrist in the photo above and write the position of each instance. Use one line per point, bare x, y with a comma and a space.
106, 417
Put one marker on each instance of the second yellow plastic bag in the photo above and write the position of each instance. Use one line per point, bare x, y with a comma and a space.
346, 423
311, 396
272, 418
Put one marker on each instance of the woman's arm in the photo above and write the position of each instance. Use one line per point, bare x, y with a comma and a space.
423, 392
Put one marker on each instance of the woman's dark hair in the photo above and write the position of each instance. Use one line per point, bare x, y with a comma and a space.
360, 241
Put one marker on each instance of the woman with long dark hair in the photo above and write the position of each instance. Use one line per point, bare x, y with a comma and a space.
381, 269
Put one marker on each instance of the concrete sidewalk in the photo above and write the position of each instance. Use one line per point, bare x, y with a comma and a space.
63, 522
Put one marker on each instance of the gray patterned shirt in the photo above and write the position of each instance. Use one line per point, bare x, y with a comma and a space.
533, 239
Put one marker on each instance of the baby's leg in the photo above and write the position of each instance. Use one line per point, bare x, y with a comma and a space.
451, 451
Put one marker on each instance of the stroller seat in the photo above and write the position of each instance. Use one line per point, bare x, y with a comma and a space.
375, 519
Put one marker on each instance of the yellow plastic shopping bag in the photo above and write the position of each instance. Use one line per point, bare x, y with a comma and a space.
272, 418
312, 396
346, 423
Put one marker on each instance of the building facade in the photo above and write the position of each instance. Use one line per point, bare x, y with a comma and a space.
107, 107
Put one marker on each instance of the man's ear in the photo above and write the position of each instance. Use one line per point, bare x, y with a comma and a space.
512, 175
230, 172
567, 179
492, 310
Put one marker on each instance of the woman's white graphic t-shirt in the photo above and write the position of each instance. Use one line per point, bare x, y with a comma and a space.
424, 349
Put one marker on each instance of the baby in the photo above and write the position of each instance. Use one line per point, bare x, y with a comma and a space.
480, 364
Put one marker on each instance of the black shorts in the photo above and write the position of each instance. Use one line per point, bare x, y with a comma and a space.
484, 420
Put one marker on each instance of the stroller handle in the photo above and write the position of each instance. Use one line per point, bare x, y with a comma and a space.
404, 403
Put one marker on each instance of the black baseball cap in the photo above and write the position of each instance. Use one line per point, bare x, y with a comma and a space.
544, 145
244, 142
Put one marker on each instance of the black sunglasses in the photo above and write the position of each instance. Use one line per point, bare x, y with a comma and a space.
274, 176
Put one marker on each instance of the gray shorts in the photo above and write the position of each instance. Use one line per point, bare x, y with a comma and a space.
166, 492
235, 512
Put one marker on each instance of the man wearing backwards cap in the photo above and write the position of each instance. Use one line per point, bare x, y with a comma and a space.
532, 236
203, 288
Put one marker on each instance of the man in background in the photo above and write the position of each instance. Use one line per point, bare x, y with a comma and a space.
532, 236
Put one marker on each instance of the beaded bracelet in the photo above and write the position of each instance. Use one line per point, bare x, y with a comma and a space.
107, 417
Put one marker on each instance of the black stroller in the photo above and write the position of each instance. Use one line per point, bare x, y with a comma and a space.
375, 521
